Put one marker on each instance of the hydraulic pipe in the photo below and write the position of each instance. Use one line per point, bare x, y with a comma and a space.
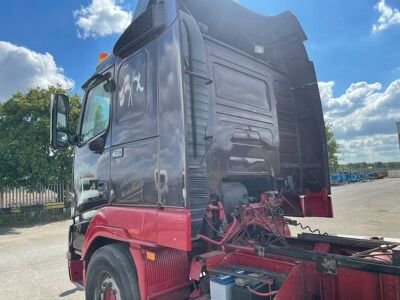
227, 235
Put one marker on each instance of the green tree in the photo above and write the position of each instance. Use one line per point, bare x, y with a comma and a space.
333, 148
25, 155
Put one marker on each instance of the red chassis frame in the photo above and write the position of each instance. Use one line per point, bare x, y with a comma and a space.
166, 273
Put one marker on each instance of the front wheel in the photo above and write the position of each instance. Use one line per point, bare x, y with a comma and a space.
111, 275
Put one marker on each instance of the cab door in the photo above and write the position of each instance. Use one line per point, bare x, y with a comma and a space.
92, 153
135, 137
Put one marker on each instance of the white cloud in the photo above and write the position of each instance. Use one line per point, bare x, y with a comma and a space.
354, 97
22, 68
364, 119
102, 18
326, 91
373, 148
388, 16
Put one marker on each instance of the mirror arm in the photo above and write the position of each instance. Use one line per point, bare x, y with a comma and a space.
72, 138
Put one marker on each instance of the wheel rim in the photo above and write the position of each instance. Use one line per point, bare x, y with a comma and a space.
108, 288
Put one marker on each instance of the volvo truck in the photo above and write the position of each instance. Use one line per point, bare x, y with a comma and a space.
200, 136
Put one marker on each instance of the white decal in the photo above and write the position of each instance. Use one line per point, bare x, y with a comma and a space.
126, 88
136, 79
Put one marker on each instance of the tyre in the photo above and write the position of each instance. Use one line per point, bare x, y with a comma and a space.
111, 275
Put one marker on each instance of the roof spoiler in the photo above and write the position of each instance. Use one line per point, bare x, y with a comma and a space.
152, 20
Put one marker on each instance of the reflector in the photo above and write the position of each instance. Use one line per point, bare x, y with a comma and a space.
150, 255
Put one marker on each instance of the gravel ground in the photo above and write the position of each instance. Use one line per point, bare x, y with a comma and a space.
365, 208
33, 264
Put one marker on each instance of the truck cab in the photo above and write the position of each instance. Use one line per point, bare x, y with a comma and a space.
204, 115
184, 109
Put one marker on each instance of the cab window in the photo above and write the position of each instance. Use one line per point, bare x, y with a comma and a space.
97, 112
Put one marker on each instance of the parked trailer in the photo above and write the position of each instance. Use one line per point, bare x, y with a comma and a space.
337, 178
348, 177
199, 136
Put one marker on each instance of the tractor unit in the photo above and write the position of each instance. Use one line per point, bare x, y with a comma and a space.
199, 136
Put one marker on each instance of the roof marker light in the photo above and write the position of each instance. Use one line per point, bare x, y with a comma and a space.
259, 49
102, 56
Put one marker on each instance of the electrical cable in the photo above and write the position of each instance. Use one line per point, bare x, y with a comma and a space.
304, 227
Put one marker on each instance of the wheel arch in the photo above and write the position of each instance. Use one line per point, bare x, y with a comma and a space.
133, 251
125, 251
97, 243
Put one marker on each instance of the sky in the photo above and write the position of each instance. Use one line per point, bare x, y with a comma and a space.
355, 46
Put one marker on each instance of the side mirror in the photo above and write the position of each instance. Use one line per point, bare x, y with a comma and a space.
59, 112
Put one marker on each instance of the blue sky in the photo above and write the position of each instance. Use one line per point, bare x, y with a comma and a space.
355, 46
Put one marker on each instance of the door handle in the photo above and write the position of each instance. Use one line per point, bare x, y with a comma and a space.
112, 195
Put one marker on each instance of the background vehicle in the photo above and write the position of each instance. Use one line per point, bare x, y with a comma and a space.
198, 136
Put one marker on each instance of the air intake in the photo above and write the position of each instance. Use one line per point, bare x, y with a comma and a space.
149, 22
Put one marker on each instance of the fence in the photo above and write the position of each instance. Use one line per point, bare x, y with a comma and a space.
46, 194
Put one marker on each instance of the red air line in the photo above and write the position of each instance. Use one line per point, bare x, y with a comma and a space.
262, 294
228, 234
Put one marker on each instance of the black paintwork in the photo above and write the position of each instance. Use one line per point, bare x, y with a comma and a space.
291, 79
91, 171
243, 117
172, 159
135, 128
183, 122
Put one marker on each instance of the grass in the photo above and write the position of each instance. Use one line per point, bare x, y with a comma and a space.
33, 214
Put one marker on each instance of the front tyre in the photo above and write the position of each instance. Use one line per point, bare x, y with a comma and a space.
111, 275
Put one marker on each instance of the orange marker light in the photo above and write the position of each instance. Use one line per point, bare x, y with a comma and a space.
150, 255
102, 56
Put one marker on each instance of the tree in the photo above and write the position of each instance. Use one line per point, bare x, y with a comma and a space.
25, 155
333, 148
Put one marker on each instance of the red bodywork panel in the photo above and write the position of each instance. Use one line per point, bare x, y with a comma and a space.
317, 204
164, 278
166, 232
141, 226
75, 270
311, 204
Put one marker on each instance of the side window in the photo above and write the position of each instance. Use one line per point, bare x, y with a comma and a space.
132, 92
97, 112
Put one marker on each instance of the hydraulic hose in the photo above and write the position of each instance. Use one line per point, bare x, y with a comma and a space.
225, 238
